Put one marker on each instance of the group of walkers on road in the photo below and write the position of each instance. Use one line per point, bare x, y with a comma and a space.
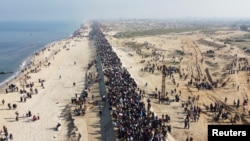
134, 120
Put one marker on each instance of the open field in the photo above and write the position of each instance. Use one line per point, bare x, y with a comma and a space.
209, 72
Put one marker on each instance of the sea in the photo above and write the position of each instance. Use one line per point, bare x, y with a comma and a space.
19, 40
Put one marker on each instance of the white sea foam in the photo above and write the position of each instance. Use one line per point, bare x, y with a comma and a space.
20, 48
18, 72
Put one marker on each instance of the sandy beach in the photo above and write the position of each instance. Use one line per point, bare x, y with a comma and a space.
58, 66
204, 72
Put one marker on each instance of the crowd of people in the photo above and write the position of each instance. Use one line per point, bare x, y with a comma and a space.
5, 135
134, 120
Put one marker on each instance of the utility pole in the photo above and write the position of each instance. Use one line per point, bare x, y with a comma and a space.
163, 84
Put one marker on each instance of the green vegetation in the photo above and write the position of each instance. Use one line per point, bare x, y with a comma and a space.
134, 45
247, 36
213, 31
152, 32
210, 43
170, 62
179, 52
145, 54
211, 64
244, 27
210, 55
226, 41
235, 40
240, 40
210, 31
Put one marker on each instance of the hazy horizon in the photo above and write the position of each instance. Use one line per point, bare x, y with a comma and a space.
81, 10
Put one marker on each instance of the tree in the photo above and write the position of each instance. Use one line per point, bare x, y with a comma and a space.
243, 28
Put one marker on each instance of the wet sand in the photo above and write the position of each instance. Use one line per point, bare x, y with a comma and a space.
69, 59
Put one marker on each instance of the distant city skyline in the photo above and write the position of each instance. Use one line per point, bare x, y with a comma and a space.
79, 10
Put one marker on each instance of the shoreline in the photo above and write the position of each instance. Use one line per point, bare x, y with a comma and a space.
60, 54
29, 57
25, 63
74, 61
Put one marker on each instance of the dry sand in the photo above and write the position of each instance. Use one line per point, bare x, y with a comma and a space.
53, 102
193, 62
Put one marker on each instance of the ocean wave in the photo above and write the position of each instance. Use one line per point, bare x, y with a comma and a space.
23, 46
22, 66
25, 63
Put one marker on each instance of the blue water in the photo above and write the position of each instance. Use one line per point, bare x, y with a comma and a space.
19, 40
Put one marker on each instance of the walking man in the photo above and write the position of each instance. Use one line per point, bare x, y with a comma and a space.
3, 101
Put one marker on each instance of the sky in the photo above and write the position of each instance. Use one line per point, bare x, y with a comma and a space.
49, 10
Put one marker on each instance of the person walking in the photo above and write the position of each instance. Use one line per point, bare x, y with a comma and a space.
3, 101
186, 123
